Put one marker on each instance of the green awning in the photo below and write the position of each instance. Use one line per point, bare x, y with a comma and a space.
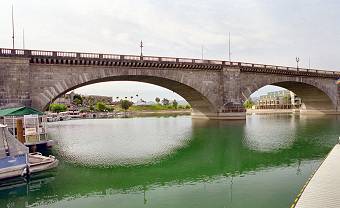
20, 111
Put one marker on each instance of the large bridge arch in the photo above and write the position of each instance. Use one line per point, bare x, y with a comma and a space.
318, 95
196, 93
214, 88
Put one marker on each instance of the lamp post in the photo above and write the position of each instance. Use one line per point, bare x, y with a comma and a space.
12, 27
141, 48
297, 59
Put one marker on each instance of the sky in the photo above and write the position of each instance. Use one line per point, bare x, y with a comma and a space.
262, 31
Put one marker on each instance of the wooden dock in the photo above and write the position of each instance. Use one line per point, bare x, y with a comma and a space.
323, 189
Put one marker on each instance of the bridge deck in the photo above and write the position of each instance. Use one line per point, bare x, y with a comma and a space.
323, 190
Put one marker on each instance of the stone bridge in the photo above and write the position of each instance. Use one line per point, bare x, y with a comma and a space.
215, 89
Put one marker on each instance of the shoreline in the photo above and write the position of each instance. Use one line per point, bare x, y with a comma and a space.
160, 112
272, 111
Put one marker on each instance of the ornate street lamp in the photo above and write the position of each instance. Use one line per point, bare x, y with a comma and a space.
297, 63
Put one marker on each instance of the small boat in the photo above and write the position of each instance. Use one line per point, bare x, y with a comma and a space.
15, 159
38, 162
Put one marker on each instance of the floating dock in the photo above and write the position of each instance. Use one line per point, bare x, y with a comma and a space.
323, 189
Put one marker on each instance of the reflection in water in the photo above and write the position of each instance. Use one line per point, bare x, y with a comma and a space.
274, 133
209, 164
120, 141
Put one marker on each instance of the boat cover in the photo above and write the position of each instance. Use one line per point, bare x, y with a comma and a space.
9, 145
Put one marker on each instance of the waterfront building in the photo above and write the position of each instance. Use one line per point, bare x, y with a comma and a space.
65, 99
89, 100
283, 99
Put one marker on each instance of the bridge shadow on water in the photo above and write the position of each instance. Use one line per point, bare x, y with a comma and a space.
216, 149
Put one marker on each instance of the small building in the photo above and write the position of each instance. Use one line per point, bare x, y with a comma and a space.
27, 125
283, 99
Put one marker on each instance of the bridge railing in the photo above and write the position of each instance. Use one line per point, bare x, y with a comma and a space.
61, 54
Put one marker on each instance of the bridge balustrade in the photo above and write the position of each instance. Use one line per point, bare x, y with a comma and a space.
20, 52
134, 58
37, 53
111, 56
151, 58
167, 59
6, 51
281, 67
246, 64
41, 53
200, 61
66, 54
214, 62
88, 55
259, 65
185, 60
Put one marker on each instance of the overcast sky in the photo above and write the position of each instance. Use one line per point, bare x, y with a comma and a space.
262, 31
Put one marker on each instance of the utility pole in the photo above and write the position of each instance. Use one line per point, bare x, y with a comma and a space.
202, 52
229, 48
141, 48
23, 39
309, 62
12, 27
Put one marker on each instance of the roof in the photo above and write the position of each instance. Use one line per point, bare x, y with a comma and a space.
20, 111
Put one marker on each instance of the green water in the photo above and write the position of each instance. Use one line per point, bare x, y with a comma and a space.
178, 162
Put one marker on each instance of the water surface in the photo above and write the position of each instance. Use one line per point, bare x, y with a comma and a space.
178, 162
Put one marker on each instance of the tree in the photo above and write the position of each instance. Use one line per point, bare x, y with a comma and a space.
157, 99
100, 106
109, 108
287, 100
175, 104
90, 100
57, 108
165, 101
248, 103
77, 99
91, 108
125, 104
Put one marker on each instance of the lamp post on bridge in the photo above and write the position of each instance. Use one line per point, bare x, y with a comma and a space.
297, 63
141, 48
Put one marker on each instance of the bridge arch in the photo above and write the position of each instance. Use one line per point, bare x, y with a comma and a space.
316, 95
193, 92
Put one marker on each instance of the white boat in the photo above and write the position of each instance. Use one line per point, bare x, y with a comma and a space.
38, 162
13, 155
15, 159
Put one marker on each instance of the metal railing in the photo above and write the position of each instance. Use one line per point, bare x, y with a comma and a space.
79, 55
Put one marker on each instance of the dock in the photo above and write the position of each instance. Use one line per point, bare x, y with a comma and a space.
323, 189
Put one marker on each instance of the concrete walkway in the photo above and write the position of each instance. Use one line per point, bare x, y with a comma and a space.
323, 190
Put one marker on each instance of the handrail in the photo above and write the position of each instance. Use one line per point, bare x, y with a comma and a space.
80, 55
